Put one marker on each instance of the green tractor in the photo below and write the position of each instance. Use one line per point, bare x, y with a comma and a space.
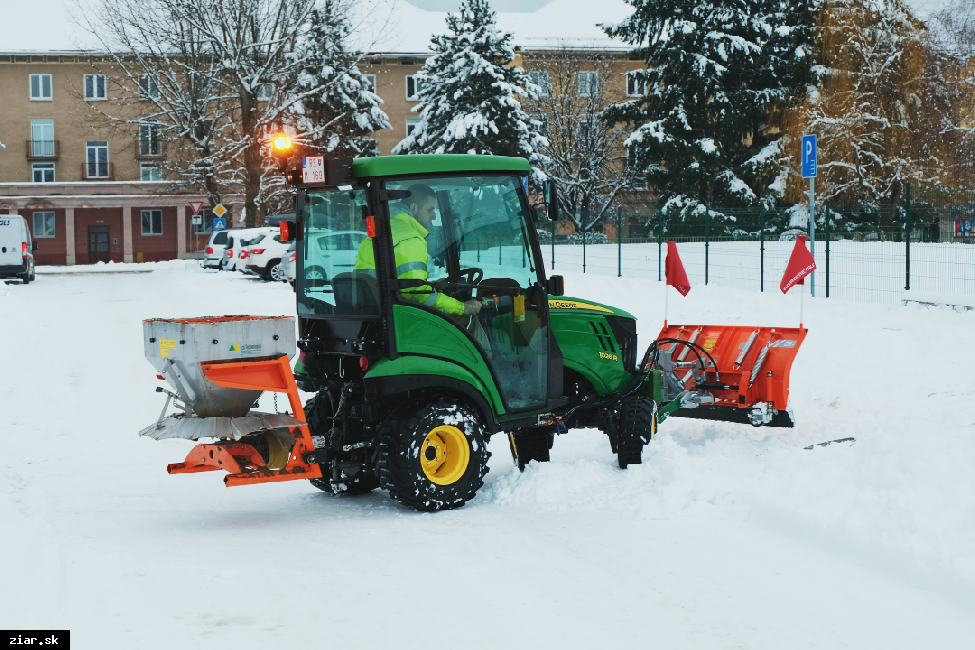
408, 394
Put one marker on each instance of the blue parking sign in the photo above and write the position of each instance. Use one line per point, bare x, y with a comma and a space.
219, 224
808, 156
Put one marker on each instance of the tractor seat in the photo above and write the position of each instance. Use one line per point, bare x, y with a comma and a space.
356, 293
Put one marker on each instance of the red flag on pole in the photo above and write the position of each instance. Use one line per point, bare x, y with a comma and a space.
676, 276
800, 265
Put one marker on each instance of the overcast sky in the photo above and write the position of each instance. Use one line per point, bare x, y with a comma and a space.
48, 25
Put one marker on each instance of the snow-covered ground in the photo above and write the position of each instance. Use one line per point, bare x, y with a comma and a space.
726, 536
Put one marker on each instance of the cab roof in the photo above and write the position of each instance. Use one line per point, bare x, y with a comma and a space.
436, 163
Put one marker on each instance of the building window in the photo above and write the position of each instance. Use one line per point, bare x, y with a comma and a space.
542, 126
148, 87
150, 172
540, 79
588, 83
639, 181
150, 141
635, 84
42, 138
95, 87
43, 172
370, 80
414, 86
407, 61
206, 223
40, 88
97, 163
200, 85
152, 222
411, 123
43, 225
265, 92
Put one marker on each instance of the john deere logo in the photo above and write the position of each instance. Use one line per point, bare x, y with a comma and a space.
235, 347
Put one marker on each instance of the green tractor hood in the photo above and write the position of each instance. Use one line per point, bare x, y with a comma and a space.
572, 305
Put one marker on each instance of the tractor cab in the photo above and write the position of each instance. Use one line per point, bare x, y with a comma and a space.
387, 294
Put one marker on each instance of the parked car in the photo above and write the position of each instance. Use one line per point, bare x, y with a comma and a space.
214, 253
331, 253
263, 256
289, 263
237, 241
16, 248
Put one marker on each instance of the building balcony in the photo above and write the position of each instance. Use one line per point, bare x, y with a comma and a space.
97, 171
43, 149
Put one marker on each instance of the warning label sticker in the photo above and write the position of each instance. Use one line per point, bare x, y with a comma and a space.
709, 345
165, 345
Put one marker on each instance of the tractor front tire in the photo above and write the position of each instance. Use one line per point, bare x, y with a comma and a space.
637, 427
433, 458
533, 444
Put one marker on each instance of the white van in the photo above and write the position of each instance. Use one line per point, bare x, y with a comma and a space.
16, 248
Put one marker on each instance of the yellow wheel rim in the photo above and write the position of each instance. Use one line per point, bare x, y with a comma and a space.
445, 454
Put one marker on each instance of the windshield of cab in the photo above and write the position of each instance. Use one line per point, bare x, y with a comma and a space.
479, 222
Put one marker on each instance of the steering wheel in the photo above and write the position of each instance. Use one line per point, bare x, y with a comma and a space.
474, 277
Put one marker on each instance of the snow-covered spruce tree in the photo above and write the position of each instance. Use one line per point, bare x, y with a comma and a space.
717, 72
343, 116
469, 96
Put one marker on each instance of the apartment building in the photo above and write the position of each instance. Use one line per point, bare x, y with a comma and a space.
89, 194
393, 77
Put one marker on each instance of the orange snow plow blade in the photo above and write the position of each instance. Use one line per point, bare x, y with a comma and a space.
749, 377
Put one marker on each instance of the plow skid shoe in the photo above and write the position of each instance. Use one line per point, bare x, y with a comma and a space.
751, 381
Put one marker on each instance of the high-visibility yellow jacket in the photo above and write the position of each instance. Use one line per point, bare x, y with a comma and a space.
410, 254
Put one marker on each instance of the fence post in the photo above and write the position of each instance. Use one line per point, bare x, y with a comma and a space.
660, 244
761, 280
554, 224
584, 216
907, 239
707, 243
827, 248
619, 242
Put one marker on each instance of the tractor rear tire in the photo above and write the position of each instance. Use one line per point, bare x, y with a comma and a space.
433, 458
533, 444
637, 427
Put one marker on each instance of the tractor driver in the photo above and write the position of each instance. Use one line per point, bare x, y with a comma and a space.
408, 223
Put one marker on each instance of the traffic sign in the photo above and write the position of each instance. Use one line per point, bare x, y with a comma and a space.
808, 156
219, 224
196, 205
313, 169
220, 210
197, 220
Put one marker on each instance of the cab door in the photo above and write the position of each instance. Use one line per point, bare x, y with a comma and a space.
479, 249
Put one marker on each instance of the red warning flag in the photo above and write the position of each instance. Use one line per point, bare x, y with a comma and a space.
676, 276
800, 265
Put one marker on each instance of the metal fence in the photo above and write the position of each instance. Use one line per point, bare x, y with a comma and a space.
866, 253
